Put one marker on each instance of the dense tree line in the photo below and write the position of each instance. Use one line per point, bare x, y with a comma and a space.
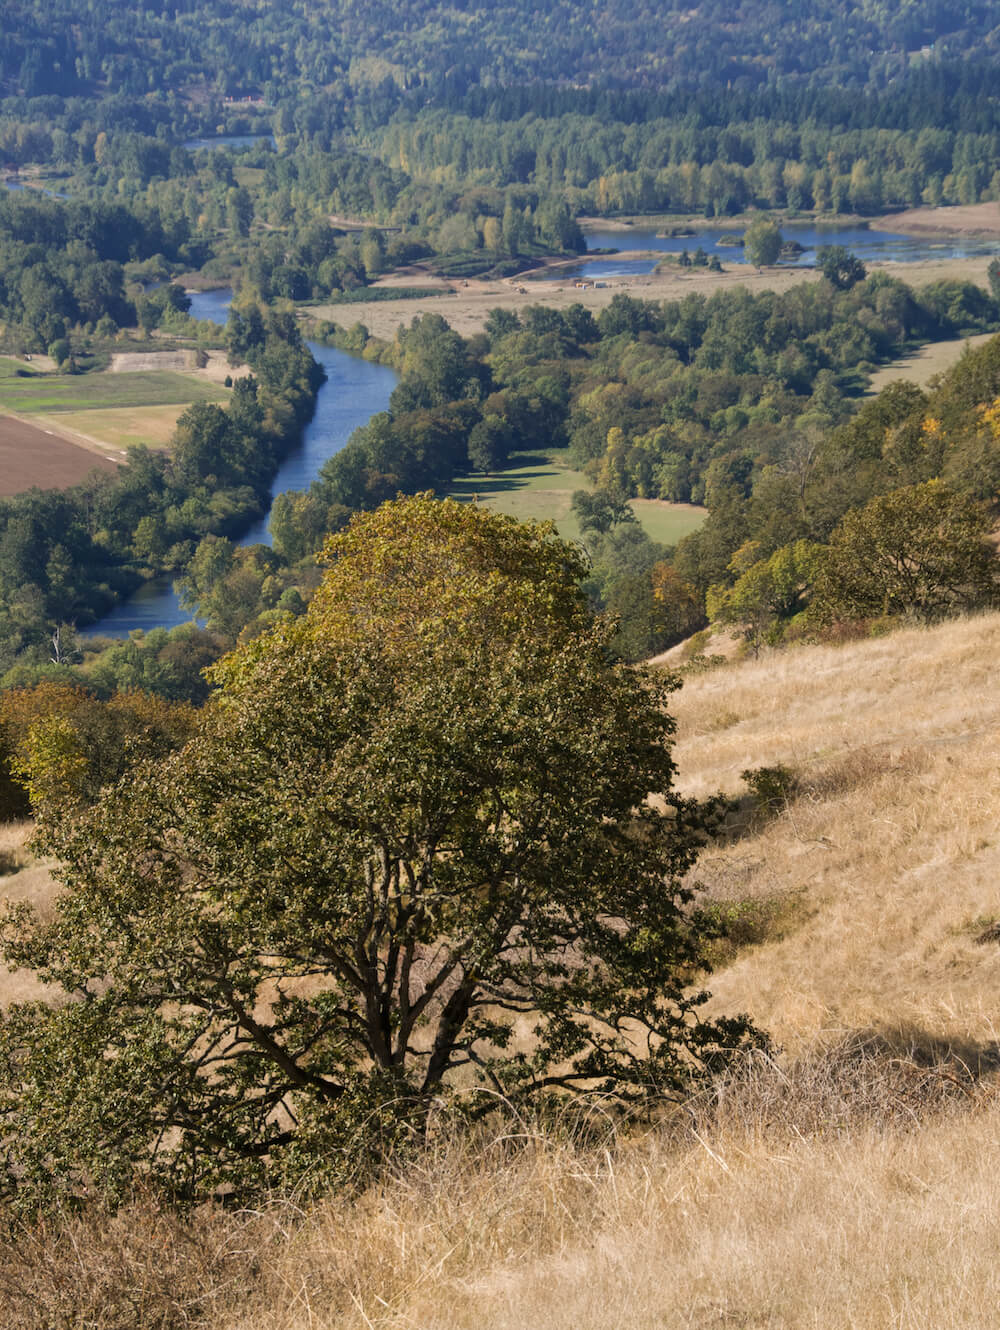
887, 514
171, 48
63, 264
683, 165
718, 400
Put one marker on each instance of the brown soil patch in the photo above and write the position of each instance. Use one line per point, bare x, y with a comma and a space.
30, 456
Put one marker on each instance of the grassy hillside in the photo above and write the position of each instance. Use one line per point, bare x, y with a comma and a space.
849, 1182
890, 848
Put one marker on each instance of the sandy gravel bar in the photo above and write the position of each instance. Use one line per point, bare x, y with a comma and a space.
964, 219
30, 456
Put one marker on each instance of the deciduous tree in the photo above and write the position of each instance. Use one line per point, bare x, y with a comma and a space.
427, 830
762, 242
919, 550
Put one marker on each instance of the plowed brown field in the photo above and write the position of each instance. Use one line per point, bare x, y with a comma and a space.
31, 456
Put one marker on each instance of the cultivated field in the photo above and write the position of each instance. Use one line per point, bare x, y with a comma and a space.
33, 456
116, 428
55, 428
46, 394
540, 486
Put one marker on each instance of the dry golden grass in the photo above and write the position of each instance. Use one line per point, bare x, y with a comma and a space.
892, 845
115, 429
816, 1197
880, 1229
22, 878
849, 1183
921, 365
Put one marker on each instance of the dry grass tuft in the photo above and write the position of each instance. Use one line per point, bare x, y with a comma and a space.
23, 878
14, 852
142, 1267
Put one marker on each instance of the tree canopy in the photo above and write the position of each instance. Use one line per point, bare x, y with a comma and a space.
920, 550
427, 829
762, 242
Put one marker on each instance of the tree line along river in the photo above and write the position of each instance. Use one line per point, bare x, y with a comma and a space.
355, 389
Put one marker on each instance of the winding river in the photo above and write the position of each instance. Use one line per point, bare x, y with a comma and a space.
353, 392
355, 389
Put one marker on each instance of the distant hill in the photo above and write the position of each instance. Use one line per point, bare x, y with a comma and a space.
255, 47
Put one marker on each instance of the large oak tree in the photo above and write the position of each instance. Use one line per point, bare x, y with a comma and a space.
425, 845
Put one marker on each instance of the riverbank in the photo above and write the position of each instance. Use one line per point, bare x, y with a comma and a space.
467, 308
965, 219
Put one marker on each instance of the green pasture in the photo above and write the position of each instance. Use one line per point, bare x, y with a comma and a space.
540, 486
30, 394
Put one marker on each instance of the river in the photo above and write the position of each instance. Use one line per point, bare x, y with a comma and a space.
353, 392
867, 245
235, 141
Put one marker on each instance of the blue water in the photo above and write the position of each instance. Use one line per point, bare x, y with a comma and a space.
9, 182
230, 141
887, 246
353, 392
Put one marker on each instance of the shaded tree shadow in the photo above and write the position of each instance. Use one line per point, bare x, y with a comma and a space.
465, 488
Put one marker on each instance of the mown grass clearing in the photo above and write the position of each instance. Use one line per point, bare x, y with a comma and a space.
120, 427
920, 366
540, 486
668, 522
30, 394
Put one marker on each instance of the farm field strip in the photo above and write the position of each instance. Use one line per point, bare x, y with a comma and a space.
30, 456
54, 429
117, 428
41, 394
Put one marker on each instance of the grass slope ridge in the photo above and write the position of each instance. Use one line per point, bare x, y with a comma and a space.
891, 843
852, 1184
